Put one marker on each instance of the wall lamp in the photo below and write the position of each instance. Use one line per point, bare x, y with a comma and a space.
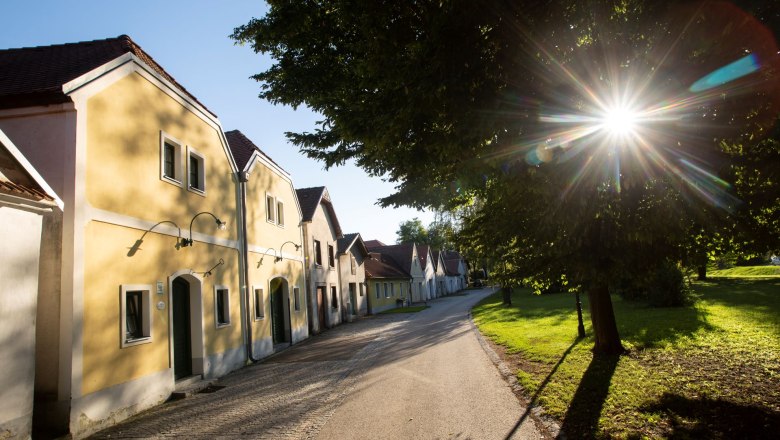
207, 273
279, 257
276, 257
220, 224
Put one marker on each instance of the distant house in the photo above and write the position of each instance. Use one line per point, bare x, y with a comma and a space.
440, 274
429, 273
407, 258
28, 206
352, 254
388, 283
141, 290
321, 231
274, 268
456, 271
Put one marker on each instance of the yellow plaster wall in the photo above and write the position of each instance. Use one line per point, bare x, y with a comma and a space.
124, 122
108, 266
401, 289
260, 276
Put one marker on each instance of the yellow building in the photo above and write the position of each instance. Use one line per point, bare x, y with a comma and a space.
141, 274
274, 264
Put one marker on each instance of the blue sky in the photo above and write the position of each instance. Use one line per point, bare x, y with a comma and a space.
189, 39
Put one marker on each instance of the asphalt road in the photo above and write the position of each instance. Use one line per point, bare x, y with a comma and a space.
405, 376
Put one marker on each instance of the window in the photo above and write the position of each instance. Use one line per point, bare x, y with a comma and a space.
392, 289
259, 304
270, 209
222, 306
352, 264
334, 300
331, 260
361, 289
377, 291
387, 292
196, 175
317, 253
279, 213
297, 298
136, 314
170, 160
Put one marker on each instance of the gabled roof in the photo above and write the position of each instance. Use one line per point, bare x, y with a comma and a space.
374, 243
348, 241
242, 149
19, 179
422, 253
35, 75
451, 267
402, 253
381, 265
311, 198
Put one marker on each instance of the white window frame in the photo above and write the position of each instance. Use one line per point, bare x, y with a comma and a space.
270, 208
260, 301
165, 138
191, 152
297, 298
146, 314
226, 305
280, 213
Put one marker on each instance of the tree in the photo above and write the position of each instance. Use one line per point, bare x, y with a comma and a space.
412, 231
457, 101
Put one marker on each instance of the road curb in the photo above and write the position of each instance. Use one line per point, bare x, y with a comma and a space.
542, 420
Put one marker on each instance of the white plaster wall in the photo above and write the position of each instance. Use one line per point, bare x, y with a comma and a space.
20, 235
321, 229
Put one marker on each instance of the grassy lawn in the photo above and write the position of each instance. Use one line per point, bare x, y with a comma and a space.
411, 309
746, 272
711, 370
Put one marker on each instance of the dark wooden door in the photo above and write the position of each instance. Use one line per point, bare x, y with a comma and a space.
353, 299
321, 303
277, 315
182, 344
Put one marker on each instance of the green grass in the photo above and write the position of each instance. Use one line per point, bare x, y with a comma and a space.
411, 309
746, 272
711, 370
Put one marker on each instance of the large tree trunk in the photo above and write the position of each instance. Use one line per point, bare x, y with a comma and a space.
506, 296
602, 316
702, 272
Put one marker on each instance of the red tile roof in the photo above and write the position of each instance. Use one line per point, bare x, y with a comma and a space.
381, 265
35, 75
403, 254
374, 243
242, 149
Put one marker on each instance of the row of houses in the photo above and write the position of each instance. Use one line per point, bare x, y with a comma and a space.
144, 245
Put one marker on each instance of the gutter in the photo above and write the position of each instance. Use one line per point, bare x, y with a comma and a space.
244, 246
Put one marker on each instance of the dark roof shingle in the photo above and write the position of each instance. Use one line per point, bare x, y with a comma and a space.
242, 149
382, 265
35, 75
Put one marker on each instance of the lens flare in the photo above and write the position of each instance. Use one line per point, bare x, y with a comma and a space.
620, 121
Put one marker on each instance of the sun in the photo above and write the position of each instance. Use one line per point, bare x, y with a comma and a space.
619, 121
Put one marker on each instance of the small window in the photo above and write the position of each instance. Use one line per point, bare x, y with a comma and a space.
376, 291
259, 304
297, 298
270, 209
222, 306
352, 264
387, 292
196, 173
392, 289
361, 289
136, 313
279, 213
170, 160
317, 253
334, 300
331, 259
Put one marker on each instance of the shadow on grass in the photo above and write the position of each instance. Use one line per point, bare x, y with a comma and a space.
582, 418
708, 418
532, 402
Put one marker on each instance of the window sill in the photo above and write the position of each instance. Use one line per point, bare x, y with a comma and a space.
137, 341
257, 318
198, 191
172, 181
223, 325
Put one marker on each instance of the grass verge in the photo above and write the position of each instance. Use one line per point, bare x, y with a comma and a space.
711, 370
746, 272
411, 309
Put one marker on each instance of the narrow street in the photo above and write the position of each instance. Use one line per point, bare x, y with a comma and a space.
420, 375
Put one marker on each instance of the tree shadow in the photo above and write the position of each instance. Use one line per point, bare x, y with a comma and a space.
714, 418
582, 417
534, 399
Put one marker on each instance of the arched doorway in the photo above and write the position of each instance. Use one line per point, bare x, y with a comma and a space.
186, 324
280, 311
182, 337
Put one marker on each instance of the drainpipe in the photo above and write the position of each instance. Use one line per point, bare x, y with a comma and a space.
243, 177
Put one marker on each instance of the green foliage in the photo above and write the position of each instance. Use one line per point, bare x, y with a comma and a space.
685, 364
747, 272
667, 287
438, 235
412, 231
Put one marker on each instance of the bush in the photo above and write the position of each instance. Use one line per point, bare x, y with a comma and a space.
667, 287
